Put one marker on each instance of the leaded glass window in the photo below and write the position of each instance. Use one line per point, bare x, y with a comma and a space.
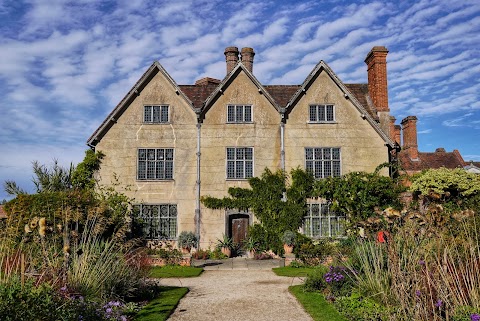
155, 164
158, 221
323, 161
320, 221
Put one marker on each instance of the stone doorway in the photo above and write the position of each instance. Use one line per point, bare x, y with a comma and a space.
238, 227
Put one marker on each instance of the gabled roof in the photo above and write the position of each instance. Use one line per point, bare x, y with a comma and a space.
228, 80
204, 93
427, 160
155, 68
361, 92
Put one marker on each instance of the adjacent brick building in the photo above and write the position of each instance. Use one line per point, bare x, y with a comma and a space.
411, 160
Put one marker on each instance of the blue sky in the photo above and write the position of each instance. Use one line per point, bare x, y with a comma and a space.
64, 65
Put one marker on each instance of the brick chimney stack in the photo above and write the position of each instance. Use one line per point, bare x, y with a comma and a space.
231, 56
409, 127
377, 77
247, 58
398, 135
392, 128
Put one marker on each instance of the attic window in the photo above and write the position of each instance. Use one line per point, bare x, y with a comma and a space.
322, 113
156, 114
239, 113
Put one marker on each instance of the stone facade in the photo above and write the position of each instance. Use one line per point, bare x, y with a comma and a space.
278, 133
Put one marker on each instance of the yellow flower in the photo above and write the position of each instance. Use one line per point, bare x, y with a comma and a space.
42, 226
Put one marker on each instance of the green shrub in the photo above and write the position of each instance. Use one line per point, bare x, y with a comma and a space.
358, 308
42, 302
466, 313
314, 254
315, 280
187, 239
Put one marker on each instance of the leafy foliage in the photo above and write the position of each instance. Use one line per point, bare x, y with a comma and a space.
12, 188
359, 194
52, 179
83, 175
456, 188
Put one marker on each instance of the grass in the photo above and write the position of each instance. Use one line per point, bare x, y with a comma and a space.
162, 307
293, 271
175, 271
316, 305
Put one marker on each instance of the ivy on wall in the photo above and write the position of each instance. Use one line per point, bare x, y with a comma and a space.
279, 203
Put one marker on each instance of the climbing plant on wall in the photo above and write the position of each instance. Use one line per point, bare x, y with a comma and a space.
360, 194
278, 201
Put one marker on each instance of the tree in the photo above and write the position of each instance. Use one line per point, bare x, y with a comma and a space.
12, 188
57, 178
52, 179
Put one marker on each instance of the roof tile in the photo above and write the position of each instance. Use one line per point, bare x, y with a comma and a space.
436, 159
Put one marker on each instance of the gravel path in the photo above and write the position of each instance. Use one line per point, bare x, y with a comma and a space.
232, 295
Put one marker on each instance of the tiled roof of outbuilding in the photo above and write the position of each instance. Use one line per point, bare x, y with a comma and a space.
437, 159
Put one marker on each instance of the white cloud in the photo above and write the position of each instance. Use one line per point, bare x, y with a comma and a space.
65, 65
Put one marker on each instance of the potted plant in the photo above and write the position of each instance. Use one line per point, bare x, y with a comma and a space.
288, 239
186, 240
225, 244
250, 246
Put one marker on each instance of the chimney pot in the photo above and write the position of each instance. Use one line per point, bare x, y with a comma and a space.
409, 125
247, 55
231, 57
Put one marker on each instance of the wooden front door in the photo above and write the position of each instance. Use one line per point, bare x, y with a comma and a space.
239, 229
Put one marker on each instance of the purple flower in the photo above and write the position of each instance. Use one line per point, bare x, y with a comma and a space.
108, 310
421, 262
475, 317
63, 288
439, 303
123, 318
418, 293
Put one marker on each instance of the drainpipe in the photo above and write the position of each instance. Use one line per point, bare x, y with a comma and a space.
197, 198
282, 140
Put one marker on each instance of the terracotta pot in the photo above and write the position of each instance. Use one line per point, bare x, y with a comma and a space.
288, 248
227, 251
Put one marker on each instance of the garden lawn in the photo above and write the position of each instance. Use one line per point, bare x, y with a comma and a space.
174, 271
316, 305
293, 271
160, 308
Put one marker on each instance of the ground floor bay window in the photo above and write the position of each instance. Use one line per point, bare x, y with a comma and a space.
157, 221
320, 221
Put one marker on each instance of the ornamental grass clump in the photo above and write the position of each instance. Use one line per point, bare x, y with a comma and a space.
102, 267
